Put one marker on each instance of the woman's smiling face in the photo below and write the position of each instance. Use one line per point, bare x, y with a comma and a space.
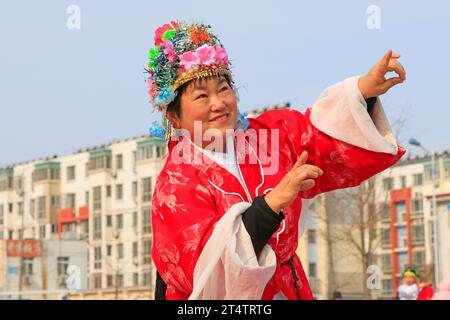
211, 102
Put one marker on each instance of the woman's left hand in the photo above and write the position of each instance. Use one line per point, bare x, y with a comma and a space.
374, 83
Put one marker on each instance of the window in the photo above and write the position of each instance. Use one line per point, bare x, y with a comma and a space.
418, 258
146, 189
10, 207
429, 172
97, 258
70, 201
386, 237
147, 280
135, 189
109, 250
119, 280
387, 183
2, 221
108, 191
385, 211
311, 236
312, 270
54, 207
109, 281
119, 162
119, 192
32, 207
70, 173
86, 198
120, 251
386, 262
28, 266
6, 181
403, 181
135, 219
145, 152
63, 264
158, 152
418, 179
146, 221
45, 173
20, 208
41, 207
417, 206
97, 281
147, 248
42, 232
97, 227
97, 205
109, 220
402, 260
102, 162
135, 279
417, 233
84, 230
135, 249
387, 287
119, 222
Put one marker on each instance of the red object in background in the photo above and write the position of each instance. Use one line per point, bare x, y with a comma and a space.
67, 216
23, 248
426, 293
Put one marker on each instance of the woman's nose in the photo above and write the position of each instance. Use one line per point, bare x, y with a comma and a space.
217, 104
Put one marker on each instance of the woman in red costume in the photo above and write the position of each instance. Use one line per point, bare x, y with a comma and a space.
227, 205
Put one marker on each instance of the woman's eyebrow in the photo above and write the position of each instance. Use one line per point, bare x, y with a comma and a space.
197, 87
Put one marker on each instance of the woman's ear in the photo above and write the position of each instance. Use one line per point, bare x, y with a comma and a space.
173, 120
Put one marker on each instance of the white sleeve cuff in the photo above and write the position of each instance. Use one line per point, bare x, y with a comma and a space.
228, 268
341, 112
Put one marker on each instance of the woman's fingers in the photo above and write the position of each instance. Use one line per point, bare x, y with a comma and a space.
302, 159
389, 83
398, 68
307, 184
386, 58
310, 168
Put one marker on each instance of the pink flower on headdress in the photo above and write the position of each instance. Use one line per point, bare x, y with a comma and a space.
168, 50
188, 60
206, 55
160, 31
151, 88
221, 55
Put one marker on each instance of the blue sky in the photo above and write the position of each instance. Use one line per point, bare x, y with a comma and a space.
63, 89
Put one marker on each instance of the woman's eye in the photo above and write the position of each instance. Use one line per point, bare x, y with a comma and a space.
223, 89
201, 96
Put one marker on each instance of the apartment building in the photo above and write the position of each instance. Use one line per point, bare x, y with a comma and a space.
101, 195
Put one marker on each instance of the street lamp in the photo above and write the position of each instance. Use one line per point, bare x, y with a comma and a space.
415, 142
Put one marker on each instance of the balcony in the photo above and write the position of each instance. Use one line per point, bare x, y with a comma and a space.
99, 160
46, 172
6, 179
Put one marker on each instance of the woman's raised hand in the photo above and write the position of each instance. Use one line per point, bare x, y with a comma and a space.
374, 82
299, 178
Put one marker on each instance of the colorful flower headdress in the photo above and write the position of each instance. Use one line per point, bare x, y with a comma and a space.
182, 52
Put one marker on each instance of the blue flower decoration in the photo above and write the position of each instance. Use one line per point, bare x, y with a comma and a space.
242, 122
157, 130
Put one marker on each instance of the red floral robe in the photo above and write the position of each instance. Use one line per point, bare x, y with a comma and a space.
191, 197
